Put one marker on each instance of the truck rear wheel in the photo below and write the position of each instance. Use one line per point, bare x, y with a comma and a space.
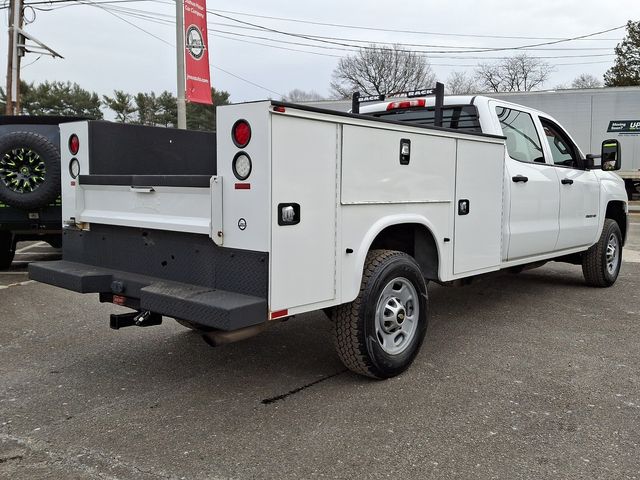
380, 333
7, 249
601, 263
29, 170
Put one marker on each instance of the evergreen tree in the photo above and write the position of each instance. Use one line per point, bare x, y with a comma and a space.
167, 110
56, 98
122, 105
203, 117
626, 69
147, 108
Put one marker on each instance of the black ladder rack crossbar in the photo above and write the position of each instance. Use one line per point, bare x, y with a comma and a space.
438, 91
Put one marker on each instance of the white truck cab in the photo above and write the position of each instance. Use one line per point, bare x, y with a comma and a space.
297, 209
556, 203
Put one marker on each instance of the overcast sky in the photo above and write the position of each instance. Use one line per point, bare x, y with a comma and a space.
103, 52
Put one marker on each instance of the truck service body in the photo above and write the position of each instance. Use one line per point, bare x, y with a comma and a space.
590, 114
301, 209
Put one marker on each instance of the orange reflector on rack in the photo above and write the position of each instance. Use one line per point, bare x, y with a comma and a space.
421, 102
278, 314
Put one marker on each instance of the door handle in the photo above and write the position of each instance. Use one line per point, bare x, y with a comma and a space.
520, 178
142, 189
566, 181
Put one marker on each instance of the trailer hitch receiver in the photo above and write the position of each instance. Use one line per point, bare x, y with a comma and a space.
144, 318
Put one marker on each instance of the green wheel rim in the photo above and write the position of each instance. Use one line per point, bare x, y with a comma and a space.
22, 170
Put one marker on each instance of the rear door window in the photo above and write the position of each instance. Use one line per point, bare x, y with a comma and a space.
460, 117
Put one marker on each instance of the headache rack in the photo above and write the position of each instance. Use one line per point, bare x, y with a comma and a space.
438, 91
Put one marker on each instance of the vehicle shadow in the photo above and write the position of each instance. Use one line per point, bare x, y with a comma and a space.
300, 351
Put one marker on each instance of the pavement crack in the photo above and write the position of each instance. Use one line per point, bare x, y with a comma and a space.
10, 459
18, 284
268, 401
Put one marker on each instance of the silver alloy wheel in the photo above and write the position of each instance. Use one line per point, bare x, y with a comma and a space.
613, 253
397, 314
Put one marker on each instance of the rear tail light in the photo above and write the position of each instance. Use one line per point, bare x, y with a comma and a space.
241, 133
421, 102
74, 144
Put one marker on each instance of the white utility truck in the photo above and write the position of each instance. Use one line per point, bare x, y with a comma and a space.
299, 209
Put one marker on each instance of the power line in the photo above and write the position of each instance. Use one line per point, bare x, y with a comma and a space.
93, 4
245, 80
164, 19
360, 27
155, 17
56, 2
521, 47
418, 52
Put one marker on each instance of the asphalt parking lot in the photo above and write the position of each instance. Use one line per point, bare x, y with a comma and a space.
522, 376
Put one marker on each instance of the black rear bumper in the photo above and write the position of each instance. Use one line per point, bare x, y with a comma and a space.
180, 275
205, 306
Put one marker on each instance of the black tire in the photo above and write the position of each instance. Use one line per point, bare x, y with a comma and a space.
54, 241
358, 328
29, 170
601, 265
7, 249
193, 326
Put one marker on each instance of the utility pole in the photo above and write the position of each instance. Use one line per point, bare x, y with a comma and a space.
18, 48
180, 48
13, 59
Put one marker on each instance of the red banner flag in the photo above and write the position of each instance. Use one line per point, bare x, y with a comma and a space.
198, 83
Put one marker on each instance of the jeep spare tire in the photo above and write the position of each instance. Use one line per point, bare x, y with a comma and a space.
29, 170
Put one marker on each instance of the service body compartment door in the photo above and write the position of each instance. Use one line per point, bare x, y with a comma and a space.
372, 172
303, 255
478, 206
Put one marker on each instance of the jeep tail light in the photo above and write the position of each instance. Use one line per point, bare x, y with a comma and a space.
421, 102
241, 133
74, 144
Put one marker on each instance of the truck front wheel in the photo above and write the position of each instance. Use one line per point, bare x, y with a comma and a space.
601, 263
380, 333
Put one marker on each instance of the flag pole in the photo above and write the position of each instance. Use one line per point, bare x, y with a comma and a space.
180, 49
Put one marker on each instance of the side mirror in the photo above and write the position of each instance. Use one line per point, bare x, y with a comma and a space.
611, 155
589, 161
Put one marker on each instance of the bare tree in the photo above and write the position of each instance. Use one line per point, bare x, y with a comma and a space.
459, 83
586, 80
376, 69
520, 73
297, 95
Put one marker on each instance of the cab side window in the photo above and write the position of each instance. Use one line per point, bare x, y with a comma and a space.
523, 142
563, 151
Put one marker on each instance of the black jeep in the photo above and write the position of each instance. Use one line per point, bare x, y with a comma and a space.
30, 206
